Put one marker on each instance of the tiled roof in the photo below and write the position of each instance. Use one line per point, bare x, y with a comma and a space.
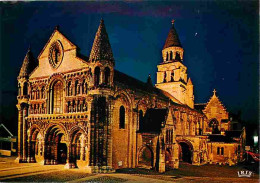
101, 49
135, 84
172, 39
200, 107
29, 64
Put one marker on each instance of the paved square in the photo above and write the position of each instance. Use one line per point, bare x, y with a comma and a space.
14, 172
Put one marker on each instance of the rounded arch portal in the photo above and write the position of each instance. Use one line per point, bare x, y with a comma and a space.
145, 157
185, 151
35, 148
78, 141
55, 146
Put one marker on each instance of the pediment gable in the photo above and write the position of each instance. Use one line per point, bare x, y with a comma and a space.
59, 55
56, 35
214, 104
169, 120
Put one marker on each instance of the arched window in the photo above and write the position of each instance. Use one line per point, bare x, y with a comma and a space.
107, 75
178, 57
171, 55
214, 125
42, 92
222, 150
141, 120
19, 89
57, 97
77, 87
25, 89
218, 151
164, 77
167, 56
37, 94
69, 89
172, 75
96, 76
122, 117
84, 87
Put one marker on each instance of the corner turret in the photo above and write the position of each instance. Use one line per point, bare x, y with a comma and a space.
29, 64
101, 59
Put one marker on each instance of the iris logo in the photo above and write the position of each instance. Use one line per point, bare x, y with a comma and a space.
244, 173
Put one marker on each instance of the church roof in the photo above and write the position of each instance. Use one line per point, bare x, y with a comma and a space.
136, 84
101, 49
200, 107
172, 39
29, 64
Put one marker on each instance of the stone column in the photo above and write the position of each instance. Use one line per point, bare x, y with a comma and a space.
29, 152
102, 76
82, 150
24, 134
68, 164
76, 105
161, 167
109, 133
42, 151
134, 142
20, 133
55, 161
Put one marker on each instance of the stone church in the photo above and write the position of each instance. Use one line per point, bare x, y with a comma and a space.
81, 112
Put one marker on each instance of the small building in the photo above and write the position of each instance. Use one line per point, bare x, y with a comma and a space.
7, 141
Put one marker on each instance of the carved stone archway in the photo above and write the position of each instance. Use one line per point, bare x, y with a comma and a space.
145, 157
185, 151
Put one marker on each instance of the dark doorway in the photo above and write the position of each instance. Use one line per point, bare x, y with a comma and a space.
62, 153
185, 152
146, 158
53, 146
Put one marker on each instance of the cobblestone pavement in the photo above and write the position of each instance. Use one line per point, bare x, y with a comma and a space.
14, 172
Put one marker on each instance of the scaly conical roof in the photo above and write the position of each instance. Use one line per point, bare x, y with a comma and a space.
28, 64
172, 39
101, 49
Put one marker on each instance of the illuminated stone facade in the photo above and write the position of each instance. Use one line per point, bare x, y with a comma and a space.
81, 112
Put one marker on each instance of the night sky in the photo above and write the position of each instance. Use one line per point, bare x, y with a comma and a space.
220, 41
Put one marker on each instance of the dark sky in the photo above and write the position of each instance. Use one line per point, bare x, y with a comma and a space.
220, 39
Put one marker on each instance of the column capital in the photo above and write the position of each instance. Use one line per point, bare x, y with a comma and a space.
19, 107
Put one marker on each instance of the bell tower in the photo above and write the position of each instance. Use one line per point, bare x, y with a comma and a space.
172, 73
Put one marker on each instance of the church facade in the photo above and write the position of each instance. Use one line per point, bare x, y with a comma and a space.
81, 112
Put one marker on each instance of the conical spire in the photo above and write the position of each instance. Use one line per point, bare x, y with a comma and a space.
189, 82
173, 38
101, 49
28, 64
